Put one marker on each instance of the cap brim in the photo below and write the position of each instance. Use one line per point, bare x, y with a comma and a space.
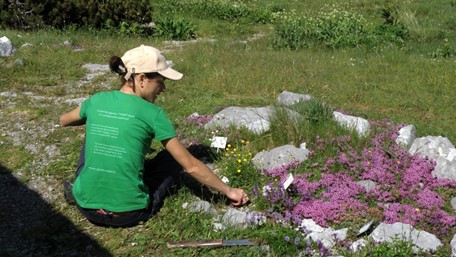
171, 74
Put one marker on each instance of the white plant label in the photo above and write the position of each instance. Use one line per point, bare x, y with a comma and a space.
224, 179
288, 181
219, 142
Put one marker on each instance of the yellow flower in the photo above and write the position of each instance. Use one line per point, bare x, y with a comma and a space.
239, 160
239, 170
245, 160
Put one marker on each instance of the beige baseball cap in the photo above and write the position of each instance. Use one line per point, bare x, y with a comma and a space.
147, 59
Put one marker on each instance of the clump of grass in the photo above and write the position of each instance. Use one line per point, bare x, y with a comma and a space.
314, 111
224, 10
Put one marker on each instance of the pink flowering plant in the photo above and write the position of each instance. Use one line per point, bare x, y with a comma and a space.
191, 131
327, 189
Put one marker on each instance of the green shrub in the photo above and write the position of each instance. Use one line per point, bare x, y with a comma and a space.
390, 33
340, 28
336, 28
130, 29
32, 14
393, 29
175, 28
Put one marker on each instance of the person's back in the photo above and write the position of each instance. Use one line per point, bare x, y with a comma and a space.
120, 128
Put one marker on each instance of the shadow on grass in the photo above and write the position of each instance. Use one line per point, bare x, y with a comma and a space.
29, 226
204, 154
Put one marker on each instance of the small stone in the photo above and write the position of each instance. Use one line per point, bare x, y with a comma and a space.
203, 207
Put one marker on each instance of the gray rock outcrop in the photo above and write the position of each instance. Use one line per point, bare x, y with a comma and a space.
441, 150
6, 47
360, 125
453, 246
289, 98
279, 156
255, 120
406, 136
422, 240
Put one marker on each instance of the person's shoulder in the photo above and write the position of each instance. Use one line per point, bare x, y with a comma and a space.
103, 94
153, 107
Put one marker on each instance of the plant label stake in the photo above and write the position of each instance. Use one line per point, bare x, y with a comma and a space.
219, 142
288, 181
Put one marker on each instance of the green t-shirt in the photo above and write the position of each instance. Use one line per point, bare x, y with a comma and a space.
119, 131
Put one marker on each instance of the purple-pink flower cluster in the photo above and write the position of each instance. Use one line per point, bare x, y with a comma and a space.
199, 120
189, 133
405, 191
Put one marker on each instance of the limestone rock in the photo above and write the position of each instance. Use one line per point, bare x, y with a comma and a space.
203, 207
279, 156
453, 246
360, 125
441, 150
406, 136
401, 231
6, 47
288, 98
328, 236
254, 119
235, 217
367, 184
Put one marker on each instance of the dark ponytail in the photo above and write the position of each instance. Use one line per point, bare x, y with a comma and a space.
116, 65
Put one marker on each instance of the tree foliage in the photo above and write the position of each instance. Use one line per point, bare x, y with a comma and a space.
31, 14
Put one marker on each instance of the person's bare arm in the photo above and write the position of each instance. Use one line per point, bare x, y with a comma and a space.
72, 118
202, 173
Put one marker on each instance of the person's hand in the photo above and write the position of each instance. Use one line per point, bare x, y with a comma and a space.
238, 196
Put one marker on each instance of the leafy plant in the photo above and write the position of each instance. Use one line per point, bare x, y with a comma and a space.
445, 51
175, 28
130, 29
390, 33
236, 165
341, 28
334, 28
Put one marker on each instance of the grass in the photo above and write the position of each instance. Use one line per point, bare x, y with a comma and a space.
405, 83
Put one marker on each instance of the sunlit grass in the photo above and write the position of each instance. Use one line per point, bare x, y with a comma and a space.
402, 83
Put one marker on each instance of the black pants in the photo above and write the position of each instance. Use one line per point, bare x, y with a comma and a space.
160, 174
